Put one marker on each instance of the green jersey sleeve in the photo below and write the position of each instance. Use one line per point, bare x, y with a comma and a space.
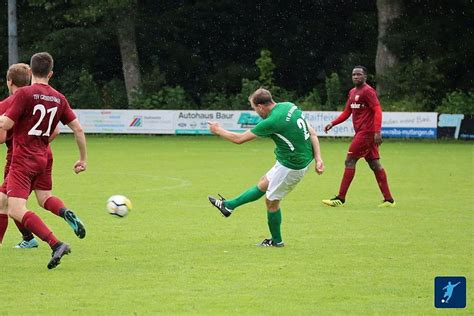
264, 128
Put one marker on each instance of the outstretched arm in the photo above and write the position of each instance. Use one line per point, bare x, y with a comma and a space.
319, 164
236, 138
341, 118
76, 127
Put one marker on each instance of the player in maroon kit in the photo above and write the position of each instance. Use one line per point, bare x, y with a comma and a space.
18, 75
366, 112
35, 112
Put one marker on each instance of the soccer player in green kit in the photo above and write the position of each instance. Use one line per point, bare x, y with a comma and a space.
296, 146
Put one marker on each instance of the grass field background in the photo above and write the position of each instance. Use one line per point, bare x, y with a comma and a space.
174, 254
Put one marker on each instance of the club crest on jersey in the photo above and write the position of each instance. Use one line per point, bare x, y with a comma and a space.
357, 97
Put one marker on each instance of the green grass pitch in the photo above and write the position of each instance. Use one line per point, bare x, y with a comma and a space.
174, 254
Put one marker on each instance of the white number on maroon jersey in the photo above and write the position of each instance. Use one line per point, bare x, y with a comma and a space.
51, 111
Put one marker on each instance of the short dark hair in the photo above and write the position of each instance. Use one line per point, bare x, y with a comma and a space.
261, 96
41, 64
19, 74
361, 67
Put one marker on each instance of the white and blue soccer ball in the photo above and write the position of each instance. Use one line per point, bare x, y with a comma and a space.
119, 205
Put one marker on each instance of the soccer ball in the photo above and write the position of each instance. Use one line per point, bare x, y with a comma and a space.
119, 205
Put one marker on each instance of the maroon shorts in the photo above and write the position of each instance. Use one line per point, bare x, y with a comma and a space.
363, 145
21, 179
3, 187
45, 180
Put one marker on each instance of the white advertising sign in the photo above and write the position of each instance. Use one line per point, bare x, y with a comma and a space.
394, 124
125, 121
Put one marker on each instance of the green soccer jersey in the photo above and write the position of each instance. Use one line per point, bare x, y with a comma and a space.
287, 127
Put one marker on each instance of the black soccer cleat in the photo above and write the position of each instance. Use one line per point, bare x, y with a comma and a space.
219, 204
58, 253
270, 243
76, 224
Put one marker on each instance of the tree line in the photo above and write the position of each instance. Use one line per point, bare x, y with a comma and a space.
206, 54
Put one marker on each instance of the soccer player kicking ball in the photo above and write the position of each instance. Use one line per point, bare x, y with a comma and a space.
296, 146
366, 112
35, 112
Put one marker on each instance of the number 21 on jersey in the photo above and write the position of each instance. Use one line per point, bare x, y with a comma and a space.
302, 125
34, 131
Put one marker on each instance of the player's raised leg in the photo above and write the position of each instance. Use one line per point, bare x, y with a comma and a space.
56, 206
226, 207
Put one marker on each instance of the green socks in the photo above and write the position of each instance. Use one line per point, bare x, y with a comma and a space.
250, 195
253, 194
274, 223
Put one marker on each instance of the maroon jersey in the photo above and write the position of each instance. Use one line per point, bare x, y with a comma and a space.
365, 108
36, 111
4, 106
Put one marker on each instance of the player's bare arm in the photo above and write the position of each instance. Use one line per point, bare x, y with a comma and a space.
319, 164
81, 164
236, 138
6, 123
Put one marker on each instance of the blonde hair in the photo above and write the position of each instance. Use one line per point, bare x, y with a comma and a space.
19, 74
261, 96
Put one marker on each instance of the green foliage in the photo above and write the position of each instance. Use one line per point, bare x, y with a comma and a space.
312, 101
153, 80
217, 100
196, 45
441, 34
228, 78
405, 104
266, 68
419, 80
86, 94
280, 94
241, 100
457, 102
114, 95
165, 98
333, 93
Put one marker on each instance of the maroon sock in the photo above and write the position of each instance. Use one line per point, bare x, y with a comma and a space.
54, 205
346, 182
32, 222
3, 225
381, 177
27, 235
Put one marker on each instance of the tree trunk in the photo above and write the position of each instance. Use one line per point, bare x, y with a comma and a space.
129, 53
387, 11
12, 33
